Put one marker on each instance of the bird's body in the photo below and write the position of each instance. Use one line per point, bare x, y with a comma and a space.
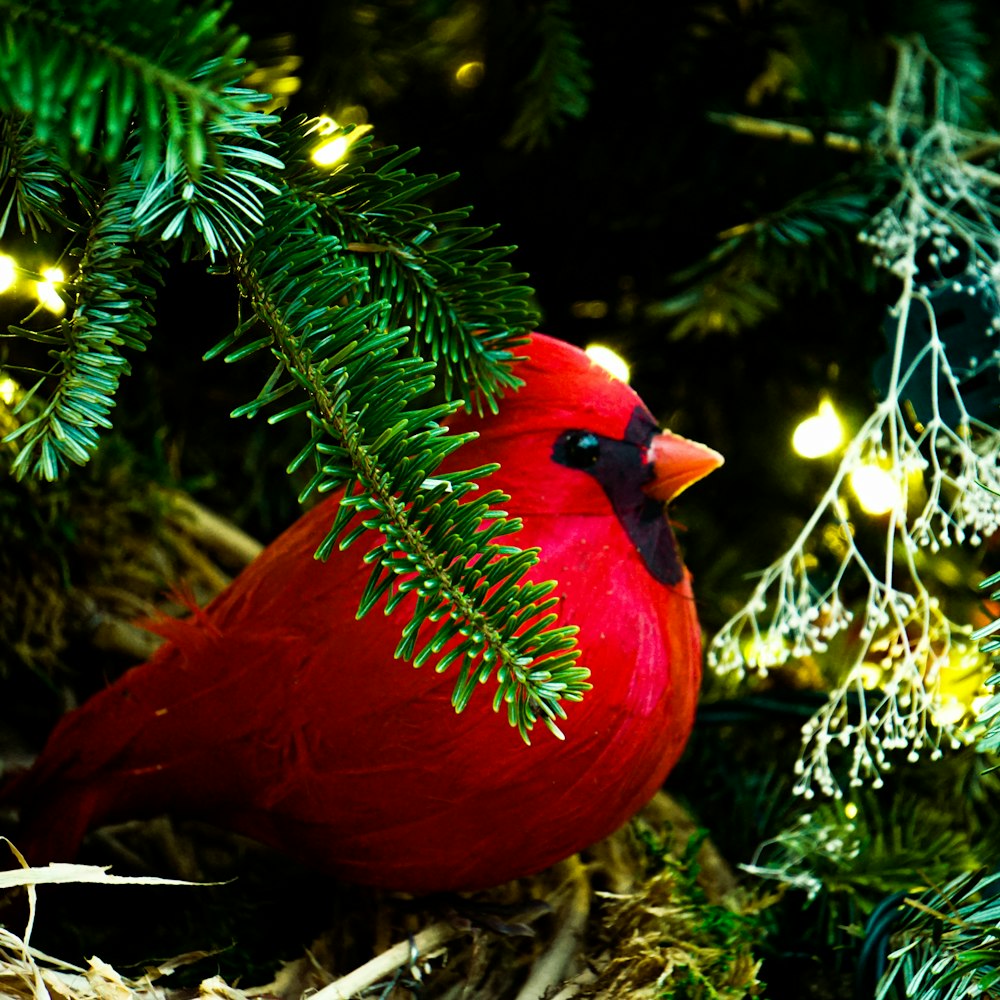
274, 713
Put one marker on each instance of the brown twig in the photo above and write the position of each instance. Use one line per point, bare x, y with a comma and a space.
214, 532
429, 940
552, 968
766, 128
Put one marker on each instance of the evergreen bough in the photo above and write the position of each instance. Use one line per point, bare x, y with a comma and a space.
134, 134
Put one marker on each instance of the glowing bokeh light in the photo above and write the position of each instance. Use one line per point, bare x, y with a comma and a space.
8, 391
334, 147
818, 435
877, 489
326, 154
46, 290
8, 271
325, 125
871, 675
609, 360
950, 712
470, 74
851, 810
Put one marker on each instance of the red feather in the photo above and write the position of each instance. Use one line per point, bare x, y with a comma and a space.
276, 714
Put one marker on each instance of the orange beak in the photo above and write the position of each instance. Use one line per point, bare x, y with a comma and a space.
677, 463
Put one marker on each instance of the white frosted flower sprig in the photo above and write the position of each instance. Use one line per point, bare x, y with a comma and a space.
939, 238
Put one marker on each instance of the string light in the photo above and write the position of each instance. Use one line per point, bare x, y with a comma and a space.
609, 360
877, 489
8, 391
851, 810
335, 146
330, 152
8, 270
818, 435
47, 292
470, 74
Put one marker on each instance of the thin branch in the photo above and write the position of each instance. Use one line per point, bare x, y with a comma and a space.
424, 943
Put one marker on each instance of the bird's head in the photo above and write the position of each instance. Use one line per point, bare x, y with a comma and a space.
575, 437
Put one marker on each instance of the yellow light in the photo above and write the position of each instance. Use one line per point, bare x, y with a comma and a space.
850, 810
470, 74
871, 675
335, 147
8, 390
330, 152
609, 361
764, 651
46, 290
948, 713
8, 270
820, 434
590, 309
325, 125
877, 489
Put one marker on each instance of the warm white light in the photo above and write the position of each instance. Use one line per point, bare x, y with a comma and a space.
850, 810
871, 675
334, 148
876, 488
330, 152
470, 74
8, 391
8, 270
765, 650
325, 125
609, 361
46, 290
820, 434
950, 712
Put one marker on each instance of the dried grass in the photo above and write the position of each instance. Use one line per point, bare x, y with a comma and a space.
628, 919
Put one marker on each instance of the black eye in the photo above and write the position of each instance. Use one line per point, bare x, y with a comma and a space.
577, 449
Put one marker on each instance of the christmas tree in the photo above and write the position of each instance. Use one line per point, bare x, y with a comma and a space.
782, 215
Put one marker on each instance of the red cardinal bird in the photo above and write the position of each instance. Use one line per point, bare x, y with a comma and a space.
275, 714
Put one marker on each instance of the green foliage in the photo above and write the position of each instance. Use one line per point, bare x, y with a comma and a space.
945, 945
458, 298
362, 294
384, 447
667, 938
848, 861
93, 76
758, 264
989, 715
113, 288
949, 29
557, 86
31, 185
213, 207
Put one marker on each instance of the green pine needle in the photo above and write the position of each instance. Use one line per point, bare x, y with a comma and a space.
369, 301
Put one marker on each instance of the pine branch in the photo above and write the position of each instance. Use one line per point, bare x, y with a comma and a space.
557, 87
112, 287
459, 298
91, 75
946, 946
385, 448
989, 714
340, 267
743, 279
215, 208
32, 186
